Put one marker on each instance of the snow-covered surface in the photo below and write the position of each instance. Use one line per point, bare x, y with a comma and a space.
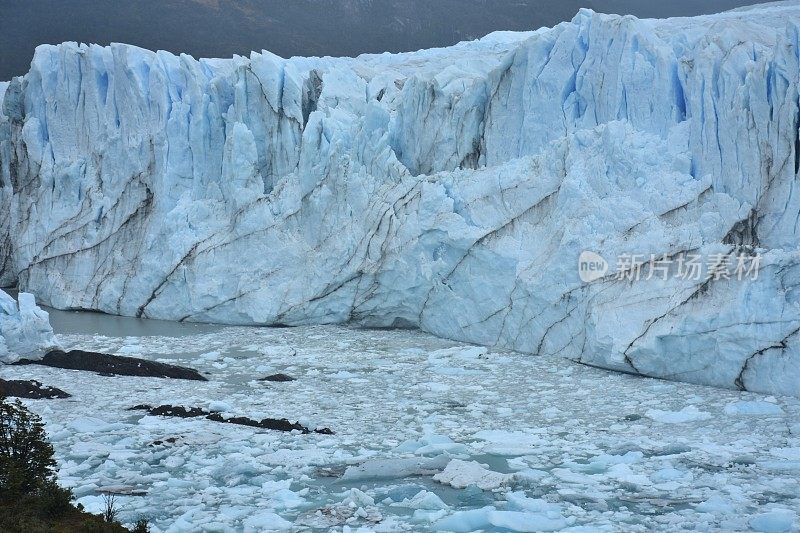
25, 330
539, 443
450, 189
461, 474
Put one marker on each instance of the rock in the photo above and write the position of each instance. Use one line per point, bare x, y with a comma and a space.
122, 490
30, 389
195, 412
169, 410
113, 365
159, 442
277, 377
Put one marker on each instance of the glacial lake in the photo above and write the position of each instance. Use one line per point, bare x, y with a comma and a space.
428, 434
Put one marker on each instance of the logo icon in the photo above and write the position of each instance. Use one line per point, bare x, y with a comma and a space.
591, 266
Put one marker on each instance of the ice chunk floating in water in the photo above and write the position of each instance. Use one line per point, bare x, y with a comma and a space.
512, 443
25, 331
451, 189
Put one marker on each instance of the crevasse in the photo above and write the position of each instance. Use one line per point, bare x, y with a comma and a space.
450, 189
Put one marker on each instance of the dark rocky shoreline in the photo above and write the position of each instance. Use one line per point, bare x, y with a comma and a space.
31, 389
276, 424
113, 365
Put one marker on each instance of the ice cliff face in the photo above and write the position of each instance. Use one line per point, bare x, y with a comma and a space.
25, 330
450, 189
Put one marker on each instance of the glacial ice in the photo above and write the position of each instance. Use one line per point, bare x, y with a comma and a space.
753, 408
461, 474
773, 522
25, 330
450, 189
489, 518
569, 461
686, 414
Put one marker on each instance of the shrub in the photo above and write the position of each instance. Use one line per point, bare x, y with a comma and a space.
54, 501
30, 499
27, 466
110, 511
142, 526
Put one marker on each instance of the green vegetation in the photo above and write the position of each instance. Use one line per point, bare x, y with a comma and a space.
30, 499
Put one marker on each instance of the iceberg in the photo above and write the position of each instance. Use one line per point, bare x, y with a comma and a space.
451, 190
25, 331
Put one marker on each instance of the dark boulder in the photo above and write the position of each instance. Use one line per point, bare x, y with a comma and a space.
113, 365
277, 377
29, 389
276, 424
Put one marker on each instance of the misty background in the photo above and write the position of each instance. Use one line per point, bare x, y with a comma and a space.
221, 28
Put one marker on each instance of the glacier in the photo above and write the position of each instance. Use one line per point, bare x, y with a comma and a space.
450, 190
25, 330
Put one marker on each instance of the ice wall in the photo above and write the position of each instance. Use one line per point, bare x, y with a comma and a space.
450, 189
